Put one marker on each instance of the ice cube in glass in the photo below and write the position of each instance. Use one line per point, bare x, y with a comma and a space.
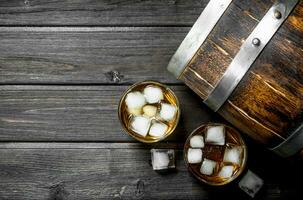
208, 167
167, 111
140, 125
226, 171
153, 94
215, 135
233, 154
194, 155
197, 141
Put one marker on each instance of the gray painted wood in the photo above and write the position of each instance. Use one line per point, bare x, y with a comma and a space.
100, 12
121, 172
71, 55
81, 113
88, 145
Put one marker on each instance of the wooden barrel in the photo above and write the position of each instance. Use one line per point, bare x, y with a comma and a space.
267, 102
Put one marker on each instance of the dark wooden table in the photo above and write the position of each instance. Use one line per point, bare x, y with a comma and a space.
63, 67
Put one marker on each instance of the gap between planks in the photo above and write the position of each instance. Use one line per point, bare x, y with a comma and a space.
13, 86
87, 145
84, 28
80, 87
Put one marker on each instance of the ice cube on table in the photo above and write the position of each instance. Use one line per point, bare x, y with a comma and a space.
135, 100
162, 159
251, 183
197, 141
233, 154
150, 110
208, 167
158, 129
153, 94
167, 111
215, 135
140, 125
194, 156
226, 171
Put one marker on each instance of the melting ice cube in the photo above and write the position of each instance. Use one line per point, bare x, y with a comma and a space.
208, 167
251, 183
158, 129
135, 100
233, 154
197, 141
140, 125
167, 111
215, 135
153, 94
194, 155
162, 158
149, 110
226, 171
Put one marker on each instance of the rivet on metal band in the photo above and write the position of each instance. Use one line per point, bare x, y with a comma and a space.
249, 51
197, 35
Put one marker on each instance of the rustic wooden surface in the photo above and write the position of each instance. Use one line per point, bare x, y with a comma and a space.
63, 67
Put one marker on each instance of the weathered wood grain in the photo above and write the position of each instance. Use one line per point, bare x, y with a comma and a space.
67, 172
267, 104
100, 12
273, 88
81, 113
88, 145
224, 42
87, 55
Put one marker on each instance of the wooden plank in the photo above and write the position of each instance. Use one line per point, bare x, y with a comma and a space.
87, 145
81, 113
96, 55
100, 12
104, 173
